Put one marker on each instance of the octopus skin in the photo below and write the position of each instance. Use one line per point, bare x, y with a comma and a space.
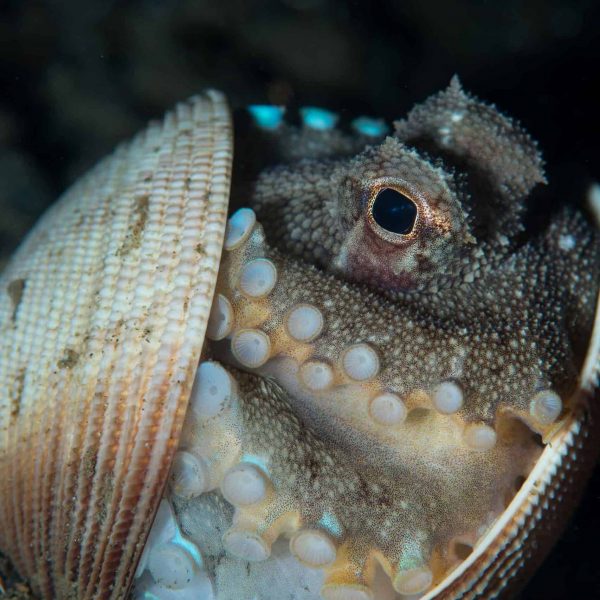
371, 398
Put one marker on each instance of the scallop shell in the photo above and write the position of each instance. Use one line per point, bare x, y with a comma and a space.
105, 309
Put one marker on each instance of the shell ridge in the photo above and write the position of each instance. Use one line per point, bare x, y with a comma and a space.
122, 425
186, 165
213, 189
154, 378
74, 436
92, 410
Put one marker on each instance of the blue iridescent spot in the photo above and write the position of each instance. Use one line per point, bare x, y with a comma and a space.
370, 126
329, 522
188, 546
318, 118
267, 116
256, 461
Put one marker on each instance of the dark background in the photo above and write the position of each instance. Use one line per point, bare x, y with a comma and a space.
78, 76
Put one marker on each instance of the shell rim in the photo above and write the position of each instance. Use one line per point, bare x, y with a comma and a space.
550, 457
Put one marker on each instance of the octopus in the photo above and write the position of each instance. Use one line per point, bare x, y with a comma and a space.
392, 340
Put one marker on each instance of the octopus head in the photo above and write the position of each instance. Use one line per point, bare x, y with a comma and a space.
401, 218
421, 209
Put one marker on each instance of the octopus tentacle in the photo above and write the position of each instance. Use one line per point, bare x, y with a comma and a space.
320, 439
281, 308
341, 514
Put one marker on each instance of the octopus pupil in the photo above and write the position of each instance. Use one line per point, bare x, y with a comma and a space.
394, 212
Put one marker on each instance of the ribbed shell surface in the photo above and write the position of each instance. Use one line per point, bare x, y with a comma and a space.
103, 311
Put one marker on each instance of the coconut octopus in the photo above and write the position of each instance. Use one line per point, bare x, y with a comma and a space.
389, 347
392, 395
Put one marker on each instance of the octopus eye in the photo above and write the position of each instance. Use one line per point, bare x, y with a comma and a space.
394, 212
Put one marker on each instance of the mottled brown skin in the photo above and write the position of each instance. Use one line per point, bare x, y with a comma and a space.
474, 174
471, 297
526, 298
